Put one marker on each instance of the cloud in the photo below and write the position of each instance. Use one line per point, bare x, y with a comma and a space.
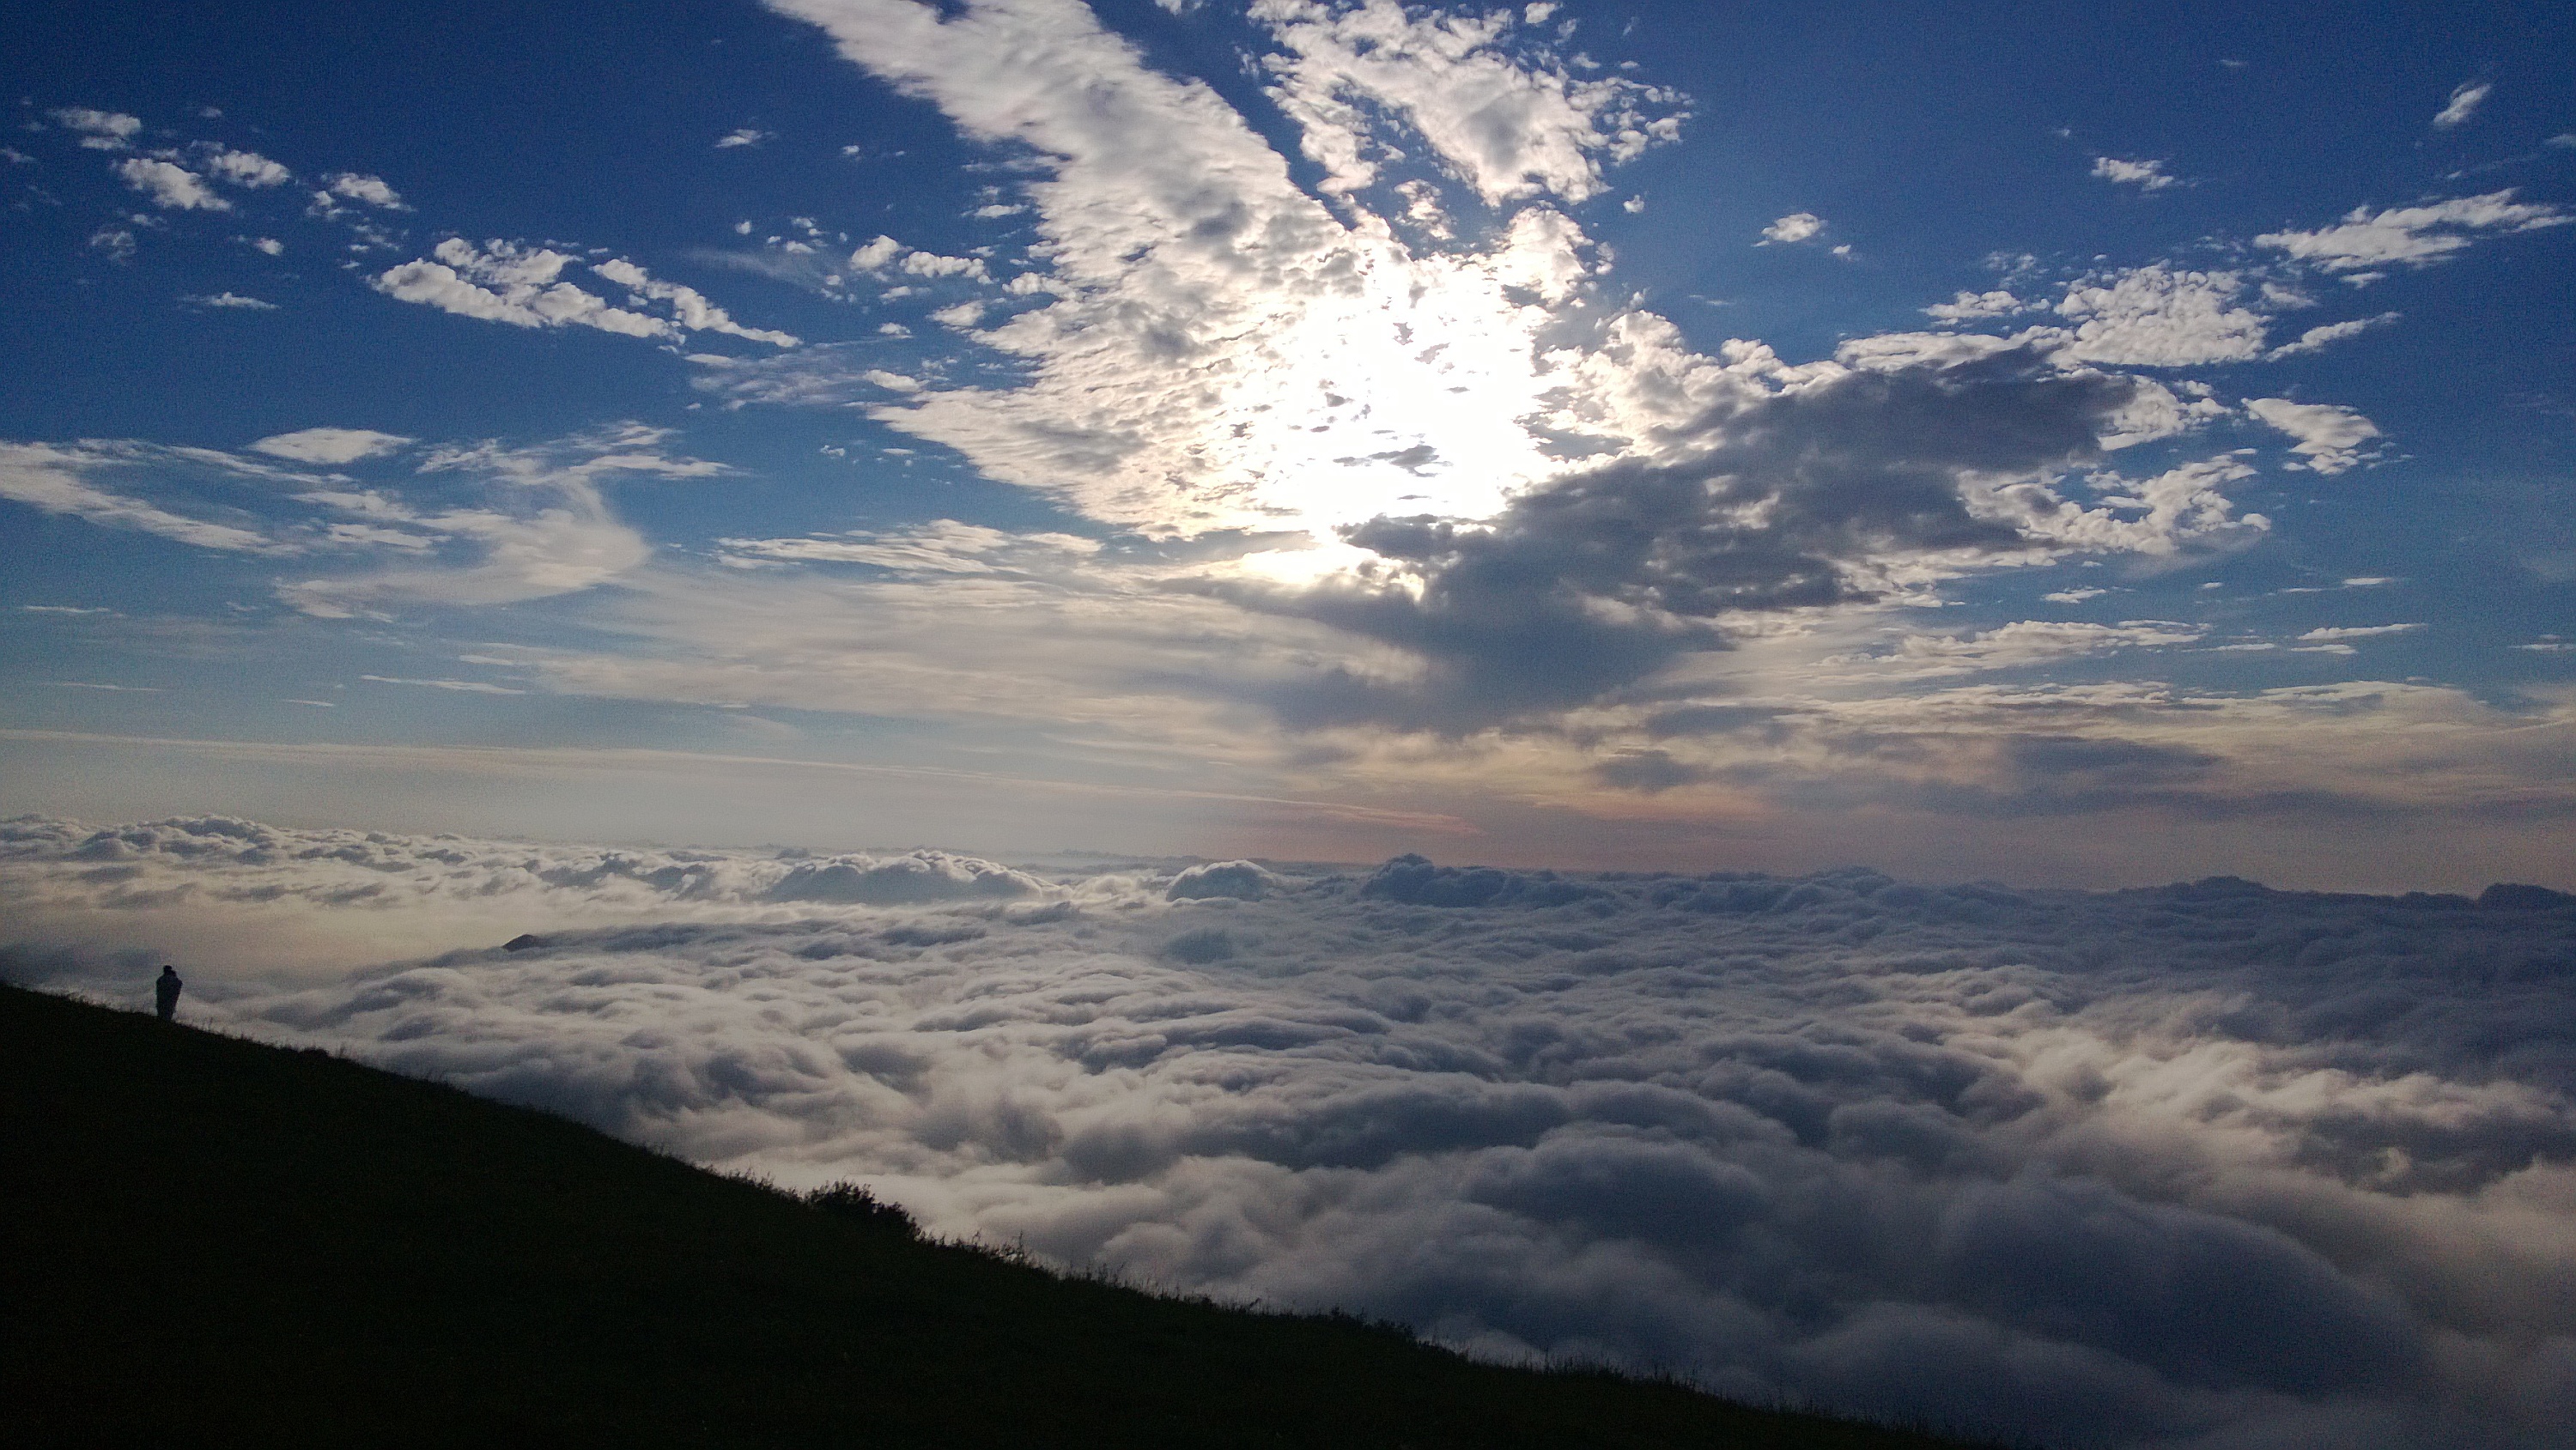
243, 168
56, 481
1976, 306
2330, 436
475, 687
2154, 316
2109, 1168
688, 306
232, 300
372, 190
1797, 226
541, 527
744, 136
99, 130
2011, 646
1839, 492
1510, 125
329, 445
2464, 103
2417, 236
2144, 175
503, 282
523, 286
170, 185
2371, 631
2316, 339
1200, 338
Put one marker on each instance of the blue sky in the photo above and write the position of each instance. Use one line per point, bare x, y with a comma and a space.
2056, 446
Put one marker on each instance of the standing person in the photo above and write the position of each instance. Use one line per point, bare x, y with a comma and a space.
165, 992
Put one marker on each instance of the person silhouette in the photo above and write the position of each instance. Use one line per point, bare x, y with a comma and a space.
165, 992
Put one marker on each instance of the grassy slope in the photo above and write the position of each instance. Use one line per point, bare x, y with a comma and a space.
211, 1241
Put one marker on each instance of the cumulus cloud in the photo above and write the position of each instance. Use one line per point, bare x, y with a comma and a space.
2155, 316
2464, 103
743, 136
170, 185
2416, 236
2193, 1164
1797, 226
524, 286
504, 282
1977, 306
372, 190
2329, 437
99, 130
243, 168
2144, 175
688, 306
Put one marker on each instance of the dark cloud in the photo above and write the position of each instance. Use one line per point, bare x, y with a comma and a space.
1596, 580
2205, 1164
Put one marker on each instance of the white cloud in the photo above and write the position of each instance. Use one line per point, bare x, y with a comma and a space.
1797, 226
2155, 316
2417, 236
369, 189
503, 282
243, 168
2329, 436
231, 300
2144, 175
1511, 124
1838, 1139
744, 136
2370, 631
931, 264
475, 687
874, 255
329, 445
688, 306
2074, 596
2316, 339
2464, 103
99, 130
1976, 306
541, 526
170, 185
268, 246
56, 481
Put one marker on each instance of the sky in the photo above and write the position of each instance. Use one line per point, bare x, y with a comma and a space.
2054, 445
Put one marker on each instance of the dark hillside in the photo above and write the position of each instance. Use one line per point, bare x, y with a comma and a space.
210, 1241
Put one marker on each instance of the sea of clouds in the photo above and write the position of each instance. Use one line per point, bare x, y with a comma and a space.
2198, 1165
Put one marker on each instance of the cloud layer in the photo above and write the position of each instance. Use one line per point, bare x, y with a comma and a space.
2200, 1165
